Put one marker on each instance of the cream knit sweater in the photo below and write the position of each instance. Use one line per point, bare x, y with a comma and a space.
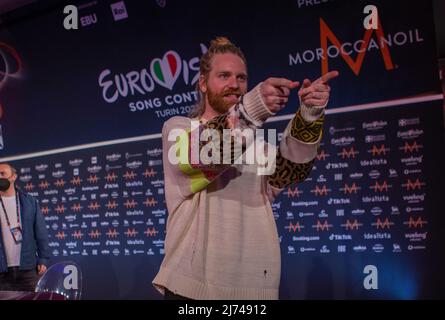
221, 239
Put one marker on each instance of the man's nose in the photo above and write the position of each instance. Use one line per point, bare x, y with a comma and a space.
233, 82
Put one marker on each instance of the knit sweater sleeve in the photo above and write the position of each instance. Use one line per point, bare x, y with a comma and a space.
198, 153
297, 149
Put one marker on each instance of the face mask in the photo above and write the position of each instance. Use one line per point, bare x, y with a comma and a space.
4, 184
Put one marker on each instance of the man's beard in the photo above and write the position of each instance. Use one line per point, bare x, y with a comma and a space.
217, 102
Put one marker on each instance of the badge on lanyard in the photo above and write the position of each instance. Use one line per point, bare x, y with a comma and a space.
17, 234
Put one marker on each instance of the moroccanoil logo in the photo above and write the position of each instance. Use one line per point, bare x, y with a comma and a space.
418, 223
322, 155
292, 193
413, 185
151, 232
323, 191
377, 187
322, 226
326, 33
350, 189
348, 153
294, 227
354, 225
377, 151
379, 224
332, 47
410, 148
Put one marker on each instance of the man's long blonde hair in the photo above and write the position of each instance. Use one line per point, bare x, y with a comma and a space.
219, 45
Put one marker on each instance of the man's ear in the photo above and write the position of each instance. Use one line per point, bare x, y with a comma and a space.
202, 84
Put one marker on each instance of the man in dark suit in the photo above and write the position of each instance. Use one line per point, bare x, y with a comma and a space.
24, 250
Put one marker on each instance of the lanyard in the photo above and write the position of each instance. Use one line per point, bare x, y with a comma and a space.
17, 207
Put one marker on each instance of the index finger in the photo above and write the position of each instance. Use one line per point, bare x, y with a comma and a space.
327, 77
282, 82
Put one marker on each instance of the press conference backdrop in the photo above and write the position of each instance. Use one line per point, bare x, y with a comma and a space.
81, 113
